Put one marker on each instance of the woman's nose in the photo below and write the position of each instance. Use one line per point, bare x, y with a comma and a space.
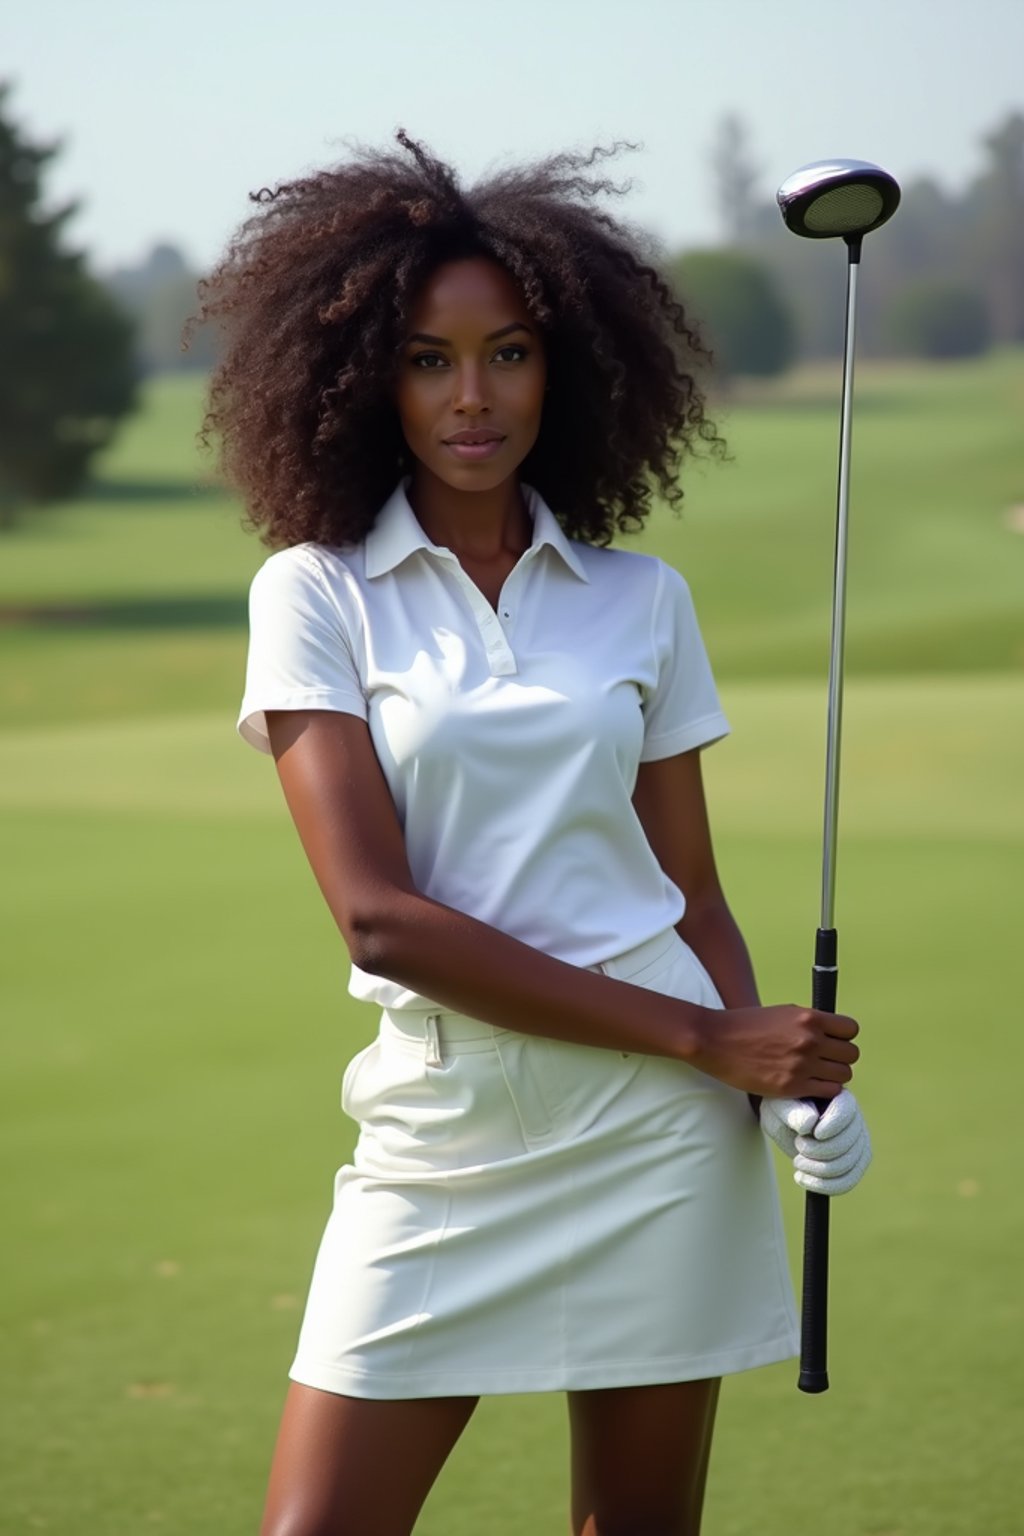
470, 388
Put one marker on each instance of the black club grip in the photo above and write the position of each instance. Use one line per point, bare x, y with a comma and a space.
814, 1309
825, 976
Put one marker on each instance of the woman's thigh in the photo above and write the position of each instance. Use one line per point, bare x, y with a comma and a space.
348, 1466
640, 1458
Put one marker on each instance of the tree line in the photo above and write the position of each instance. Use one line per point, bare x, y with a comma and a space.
159, 295
944, 279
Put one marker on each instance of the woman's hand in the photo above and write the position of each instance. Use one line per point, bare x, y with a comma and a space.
830, 1151
779, 1052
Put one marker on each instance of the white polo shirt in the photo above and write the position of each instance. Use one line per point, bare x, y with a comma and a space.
510, 740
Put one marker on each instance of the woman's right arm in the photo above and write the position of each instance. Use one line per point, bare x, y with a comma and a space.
345, 816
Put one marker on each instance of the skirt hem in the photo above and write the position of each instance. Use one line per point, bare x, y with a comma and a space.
399, 1386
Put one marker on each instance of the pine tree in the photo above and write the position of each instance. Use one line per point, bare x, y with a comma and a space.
67, 372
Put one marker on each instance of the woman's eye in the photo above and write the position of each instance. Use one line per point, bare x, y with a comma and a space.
425, 361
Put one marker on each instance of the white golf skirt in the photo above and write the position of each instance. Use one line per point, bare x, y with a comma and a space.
525, 1215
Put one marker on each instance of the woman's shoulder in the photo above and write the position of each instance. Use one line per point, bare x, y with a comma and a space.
631, 569
326, 564
315, 583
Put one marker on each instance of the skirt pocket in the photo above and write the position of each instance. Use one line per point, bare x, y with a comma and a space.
350, 1079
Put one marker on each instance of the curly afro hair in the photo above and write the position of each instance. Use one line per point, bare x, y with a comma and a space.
311, 302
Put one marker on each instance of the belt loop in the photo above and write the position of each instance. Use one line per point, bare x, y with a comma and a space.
433, 1042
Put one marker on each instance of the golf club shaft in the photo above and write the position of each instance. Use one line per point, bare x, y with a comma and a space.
835, 668
814, 1319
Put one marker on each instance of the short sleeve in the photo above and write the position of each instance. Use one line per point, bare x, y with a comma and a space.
300, 653
682, 710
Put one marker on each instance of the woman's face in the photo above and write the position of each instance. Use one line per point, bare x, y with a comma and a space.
473, 363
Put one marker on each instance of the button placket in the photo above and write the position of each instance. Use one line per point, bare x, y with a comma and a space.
499, 656
500, 660
508, 599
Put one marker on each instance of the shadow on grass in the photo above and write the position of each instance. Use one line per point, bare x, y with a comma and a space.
158, 491
218, 610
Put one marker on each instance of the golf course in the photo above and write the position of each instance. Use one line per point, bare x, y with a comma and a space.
177, 1019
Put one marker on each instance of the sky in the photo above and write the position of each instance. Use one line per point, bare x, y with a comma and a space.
170, 114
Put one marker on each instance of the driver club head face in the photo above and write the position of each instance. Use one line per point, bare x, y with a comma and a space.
831, 199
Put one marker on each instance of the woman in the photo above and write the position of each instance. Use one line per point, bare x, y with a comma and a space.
440, 405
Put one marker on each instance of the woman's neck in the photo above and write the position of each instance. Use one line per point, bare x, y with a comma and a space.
481, 526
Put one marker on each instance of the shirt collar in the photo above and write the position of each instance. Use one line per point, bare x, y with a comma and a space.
397, 534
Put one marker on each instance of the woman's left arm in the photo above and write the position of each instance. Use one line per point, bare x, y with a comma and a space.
830, 1154
669, 800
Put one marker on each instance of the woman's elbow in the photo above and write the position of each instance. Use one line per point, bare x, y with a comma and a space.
373, 935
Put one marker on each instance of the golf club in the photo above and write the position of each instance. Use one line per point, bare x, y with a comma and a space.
826, 200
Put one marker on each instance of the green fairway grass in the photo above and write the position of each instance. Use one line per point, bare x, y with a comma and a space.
177, 1021
148, 576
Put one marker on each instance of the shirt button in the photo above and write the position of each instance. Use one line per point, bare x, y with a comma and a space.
505, 613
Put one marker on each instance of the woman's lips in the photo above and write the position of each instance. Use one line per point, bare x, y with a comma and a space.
474, 451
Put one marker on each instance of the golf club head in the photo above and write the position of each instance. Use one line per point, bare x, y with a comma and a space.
831, 199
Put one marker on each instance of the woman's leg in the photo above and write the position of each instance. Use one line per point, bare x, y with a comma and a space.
640, 1458
349, 1466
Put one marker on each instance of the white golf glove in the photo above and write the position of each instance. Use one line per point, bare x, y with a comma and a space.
830, 1152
